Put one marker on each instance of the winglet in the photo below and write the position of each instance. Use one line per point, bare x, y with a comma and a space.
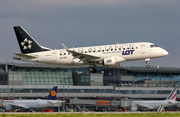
66, 48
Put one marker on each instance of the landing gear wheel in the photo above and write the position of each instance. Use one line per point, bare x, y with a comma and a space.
92, 69
147, 61
147, 66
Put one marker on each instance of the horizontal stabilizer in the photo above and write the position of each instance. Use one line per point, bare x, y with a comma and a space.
173, 102
24, 55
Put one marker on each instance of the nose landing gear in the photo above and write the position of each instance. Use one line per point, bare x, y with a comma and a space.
147, 61
147, 66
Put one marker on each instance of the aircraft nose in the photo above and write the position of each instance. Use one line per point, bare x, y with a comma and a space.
164, 52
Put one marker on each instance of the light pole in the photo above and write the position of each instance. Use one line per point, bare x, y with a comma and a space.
114, 84
63, 95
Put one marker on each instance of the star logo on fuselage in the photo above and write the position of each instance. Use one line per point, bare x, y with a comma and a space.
26, 44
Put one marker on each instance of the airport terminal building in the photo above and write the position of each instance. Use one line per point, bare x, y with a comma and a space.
32, 81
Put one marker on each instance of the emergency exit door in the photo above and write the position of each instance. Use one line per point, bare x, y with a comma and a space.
143, 50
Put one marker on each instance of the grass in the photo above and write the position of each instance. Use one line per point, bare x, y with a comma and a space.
94, 115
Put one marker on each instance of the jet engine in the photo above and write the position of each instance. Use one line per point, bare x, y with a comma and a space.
134, 109
112, 61
77, 62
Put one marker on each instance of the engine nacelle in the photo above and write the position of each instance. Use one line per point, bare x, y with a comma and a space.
77, 62
134, 109
112, 61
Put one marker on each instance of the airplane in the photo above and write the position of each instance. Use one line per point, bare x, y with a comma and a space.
33, 104
152, 105
106, 55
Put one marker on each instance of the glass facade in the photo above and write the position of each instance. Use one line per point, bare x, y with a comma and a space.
85, 78
29, 90
42, 76
141, 73
48, 75
145, 91
21, 90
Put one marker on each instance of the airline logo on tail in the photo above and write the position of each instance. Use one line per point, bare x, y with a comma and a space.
172, 95
26, 44
52, 94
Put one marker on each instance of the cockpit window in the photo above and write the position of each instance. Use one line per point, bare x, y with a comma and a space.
152, 46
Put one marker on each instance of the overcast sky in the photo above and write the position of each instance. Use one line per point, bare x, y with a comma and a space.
78, 23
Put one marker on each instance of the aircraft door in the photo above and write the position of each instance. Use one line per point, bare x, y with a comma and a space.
143, 50
54, 56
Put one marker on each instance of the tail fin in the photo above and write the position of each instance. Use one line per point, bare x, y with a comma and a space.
26, 43
172, 95
52, 94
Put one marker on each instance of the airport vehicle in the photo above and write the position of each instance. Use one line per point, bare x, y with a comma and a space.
154, 105
106, 55
33, 104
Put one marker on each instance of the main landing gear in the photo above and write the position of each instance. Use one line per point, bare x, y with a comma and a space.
92, 69
147, 61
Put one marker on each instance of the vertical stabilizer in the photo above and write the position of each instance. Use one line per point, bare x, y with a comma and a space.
172, 95
52, 94
26, 43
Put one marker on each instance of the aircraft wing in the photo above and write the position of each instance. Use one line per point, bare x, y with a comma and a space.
24, 55
54, 102
83, 57
20, 105
145, 106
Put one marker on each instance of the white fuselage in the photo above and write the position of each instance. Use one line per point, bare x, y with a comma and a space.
29, 104
151, 105
122, 52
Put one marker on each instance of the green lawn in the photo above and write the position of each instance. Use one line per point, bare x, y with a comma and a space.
95, 115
